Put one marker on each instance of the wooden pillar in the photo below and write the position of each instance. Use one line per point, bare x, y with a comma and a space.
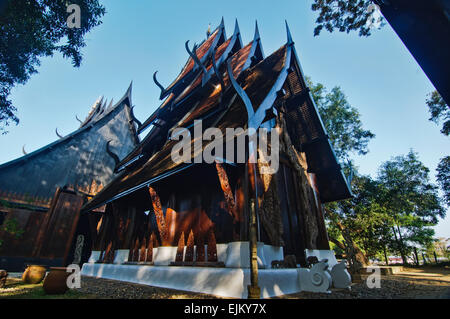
254, 291
43, 230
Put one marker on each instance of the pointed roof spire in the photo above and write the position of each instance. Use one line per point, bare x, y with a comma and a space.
257, 36
289, 36
99, 101
126, 95
110, 104
130, 89
236, 27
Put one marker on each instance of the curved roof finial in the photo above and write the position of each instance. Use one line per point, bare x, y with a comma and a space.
139, 123
194, 56
23, 150
240, 91
57, 134
158, 85
81, 122
113, 155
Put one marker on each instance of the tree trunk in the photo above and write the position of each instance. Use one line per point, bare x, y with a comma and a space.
385, 255
357, 259
417, 257
402, 247
337, 242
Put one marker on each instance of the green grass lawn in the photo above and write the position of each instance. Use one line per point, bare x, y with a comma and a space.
16, 289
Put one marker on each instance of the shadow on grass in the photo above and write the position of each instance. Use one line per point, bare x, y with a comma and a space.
16, 289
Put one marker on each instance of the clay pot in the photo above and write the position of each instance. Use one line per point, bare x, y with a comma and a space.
56, 281
34, 274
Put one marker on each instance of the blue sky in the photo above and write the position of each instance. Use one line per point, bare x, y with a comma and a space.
378, 74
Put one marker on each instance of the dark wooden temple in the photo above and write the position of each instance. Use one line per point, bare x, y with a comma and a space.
423, 27
41, 193
154, 201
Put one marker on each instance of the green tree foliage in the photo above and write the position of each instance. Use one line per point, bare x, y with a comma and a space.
344, 16
34, 29
443, 177
364, 224
439, 111
345, 129
392, 213
411, 201
342, 121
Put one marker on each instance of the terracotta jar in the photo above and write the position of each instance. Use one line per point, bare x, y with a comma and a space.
56, 281
34, 274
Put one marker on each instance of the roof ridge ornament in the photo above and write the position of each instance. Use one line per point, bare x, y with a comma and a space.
110, 153
110, 105
129, 91
163, 91
237, 33
23, 150
194, 57
139, 123
81, 122
256, 37
57, 134
236, 27
208, 32
240, 91
289, 36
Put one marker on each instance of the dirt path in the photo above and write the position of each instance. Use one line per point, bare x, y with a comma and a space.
412, 283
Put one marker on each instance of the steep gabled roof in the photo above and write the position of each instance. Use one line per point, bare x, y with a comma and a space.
191, 75
203, 52
258, 79
76, 159
241, 59
257, 85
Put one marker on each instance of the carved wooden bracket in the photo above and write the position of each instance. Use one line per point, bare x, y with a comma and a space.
160, 220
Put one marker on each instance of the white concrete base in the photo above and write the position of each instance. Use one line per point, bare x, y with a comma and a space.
222, 252
238, 255
164, 256
233, 255
121, 256
272, 253
226, 282
95, 255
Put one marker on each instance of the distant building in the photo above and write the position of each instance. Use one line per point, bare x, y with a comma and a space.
42, 192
